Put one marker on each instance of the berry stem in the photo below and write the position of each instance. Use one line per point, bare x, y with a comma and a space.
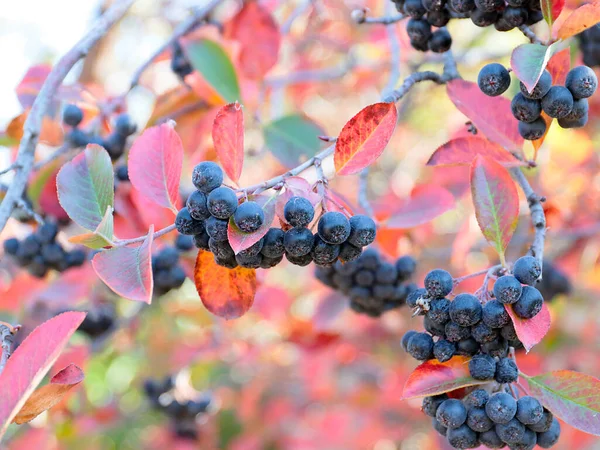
384, 20
529, 34
457, 281
159, 233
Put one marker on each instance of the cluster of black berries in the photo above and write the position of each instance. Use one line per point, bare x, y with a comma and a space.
425, 14
180, 65
210, 209
166, 270
114, 143
493, 420
589, 42
39, 252
372, 284
566, 103
185, 414
99, 320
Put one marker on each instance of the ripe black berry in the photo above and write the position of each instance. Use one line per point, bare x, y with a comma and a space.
334, 227
406, 338
299, 260
75, 258
440, 41
467, 347
489, 6
579, 111
525, 109
494, 314
491, 440
483, 333
124, 126
405, 266
443, 350
451, 413
527, 442
122, 173
254, 249
441, 429
349, 252
47, 232
11, 246
184, 243
196, 205
362, 230
476, 399
515, 17
532, 131
465, 310
501, 407
482, 367
496, 348
544, 424
420, 346
548, 438
273, 243
483, 18
298, 242
527, 270
462, 437
267, 262
493, 79
581, 82
78, 138
439, 311
323, 253
558, 102
510, 432
414, 8
502, 24
221, 249
507, 289
248, 216
72, 115
222, 202
529, 304
185, 224
364, 278
217, 229
207, 176
434, 5
478, 421
529, 410
506, 371
418, 30
541, 88
52, 253
438, 283
462, 6
456, 333
508, 332
433, 328
431, 404
249, 262
201, 240
298, 212
166, 258
438, 18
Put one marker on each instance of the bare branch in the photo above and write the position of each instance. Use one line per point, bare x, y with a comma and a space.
360, 17
300, 9
529, 34
41, 105
159, 233
394, 56
13, 166
318, 75
7, 339
363, 197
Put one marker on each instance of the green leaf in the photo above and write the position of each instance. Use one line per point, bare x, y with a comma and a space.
36, 185
574, 397
528, 61
102, 236
292, 139
215, 66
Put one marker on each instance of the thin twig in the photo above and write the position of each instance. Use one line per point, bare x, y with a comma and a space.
62, 150
41, 105
363, 196
159, 233
529, 34
300, 9
536, 210
26, 208
318, 75
198, 15
13, 166
361, 17
394, 56
7, 339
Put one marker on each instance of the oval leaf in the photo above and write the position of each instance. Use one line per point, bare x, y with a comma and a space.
49, 395
86, 186
238, 239
584, 17
433, 378
425, 204
213, 63
154, 164
128, 270
531, 331
259, 38
574, 397
292, 139
551, 9
101, 237
31, 361
227, 293
529, 61
496, 202
462, 151
491, 115
228, 139
364, 138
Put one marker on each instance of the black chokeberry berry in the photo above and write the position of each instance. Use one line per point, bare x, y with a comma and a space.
571, 122
467, 347
451, 413
414, 8
490, 439
301, 261
527, 442
541, 88
515, 17
47, 232
222, 202
207, 176
581, 82
124, 125
249, 216
11, 246
362, 230
579, 111
196, 205
185, 224
494, 314
201, 240
547, 439
489, 6
478, 420
249, 262
506, 371
438, 283
439, 311
254, 249
184, 243
323, 253
273, 243
267, 263
525, 109
496, 348
221, 249
483, 18
462, 437
298, 242
529, 304
441, 429
482, 367
456, 333
534, 130
406, 338
493, 79
529, 410
440, 41
438, 18
349, 252
476, 399
544, 424
334, 227
122, 173
75, 258
420, 346
217, 228
431, 404
418, 30
298, 212
527, 270
501, 407
462, 6
434, 5
433, 328
52, 253
443, 350
72, 115
166, 258
465, 310
510, 432
78, 138
558, 102
483, 333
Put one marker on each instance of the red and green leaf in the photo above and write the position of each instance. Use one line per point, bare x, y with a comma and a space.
426, 202
238, 239
30, 362
128, 270
528, 61
292, 139
86, 186
531, 331
462, 151
155, 162
434, 378
491, 115
364, 138
584, 17
496, 202
551, 9
573, 397
101, 237
227, 293
228, 139
295, 186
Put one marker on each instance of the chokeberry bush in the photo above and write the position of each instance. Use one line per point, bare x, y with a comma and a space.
291, 225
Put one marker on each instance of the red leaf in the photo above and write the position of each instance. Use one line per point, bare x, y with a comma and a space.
583, 17
364, 138
48, 200
551, 9
49, 395
258, 35
228, 139
155, 162
433, 378
128, 270
238, 239
491, 115
227, 293
559, 65
531, 331
32, 82
425, 204
462, 151
571, 396
30, 362
496, 202
529, 61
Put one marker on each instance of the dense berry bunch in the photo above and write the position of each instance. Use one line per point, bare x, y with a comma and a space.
180, 65
39, 252
566, 103
589, 41
212, 209
493, 421
114, 143
167, 272
373, 284
185, 414
98, 320
425, 15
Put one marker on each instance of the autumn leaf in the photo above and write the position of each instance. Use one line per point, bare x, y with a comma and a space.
228, 139
364, 138
551, 9
426, 202
531, 331
241, 241
462, 151
227, 293
528, 61
584, 17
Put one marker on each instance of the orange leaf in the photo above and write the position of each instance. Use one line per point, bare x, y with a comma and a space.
49, 395
228, 139
464, 149
227, 293
364, 138
583, 17
433, 378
